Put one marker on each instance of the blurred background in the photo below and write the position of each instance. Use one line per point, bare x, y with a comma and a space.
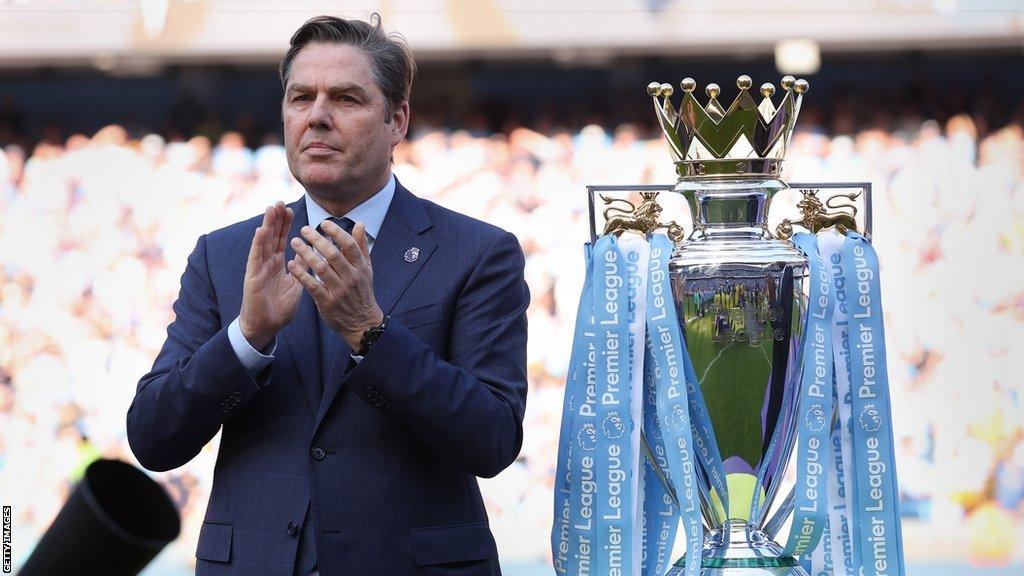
128, 128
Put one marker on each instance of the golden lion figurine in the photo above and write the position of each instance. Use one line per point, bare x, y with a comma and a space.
816, 218
641, 218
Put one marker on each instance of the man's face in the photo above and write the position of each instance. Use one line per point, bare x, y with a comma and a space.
337, 133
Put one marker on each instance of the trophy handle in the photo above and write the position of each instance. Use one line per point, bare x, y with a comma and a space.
641, 218
816, 214
772, 527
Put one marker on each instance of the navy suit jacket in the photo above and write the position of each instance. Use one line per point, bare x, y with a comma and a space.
388, 456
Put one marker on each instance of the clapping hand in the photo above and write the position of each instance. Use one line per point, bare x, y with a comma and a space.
344, 292
270, 297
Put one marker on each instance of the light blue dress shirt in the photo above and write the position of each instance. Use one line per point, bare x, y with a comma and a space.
371, 213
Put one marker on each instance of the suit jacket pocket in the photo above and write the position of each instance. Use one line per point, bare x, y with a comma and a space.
419, 316
215, 542
455, 543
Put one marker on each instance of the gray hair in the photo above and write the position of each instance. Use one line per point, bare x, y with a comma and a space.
393, 66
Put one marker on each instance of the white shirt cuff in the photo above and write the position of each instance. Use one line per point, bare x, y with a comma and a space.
253, 360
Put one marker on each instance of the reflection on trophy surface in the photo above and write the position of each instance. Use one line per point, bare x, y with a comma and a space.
739, 295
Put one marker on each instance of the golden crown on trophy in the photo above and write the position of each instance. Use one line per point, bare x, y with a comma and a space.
748, 138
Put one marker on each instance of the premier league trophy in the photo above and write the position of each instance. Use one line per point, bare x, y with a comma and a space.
744, 368
740, 299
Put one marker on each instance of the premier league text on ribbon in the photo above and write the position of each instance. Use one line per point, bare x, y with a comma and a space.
877, 490
668, 345
613, 386
577, 440
671, 362
586, 437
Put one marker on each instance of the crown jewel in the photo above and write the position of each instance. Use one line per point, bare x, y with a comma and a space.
747, 138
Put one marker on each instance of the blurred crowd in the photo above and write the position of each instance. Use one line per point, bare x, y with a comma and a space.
95, 230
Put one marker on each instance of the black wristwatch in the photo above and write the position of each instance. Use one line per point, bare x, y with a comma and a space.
371, 336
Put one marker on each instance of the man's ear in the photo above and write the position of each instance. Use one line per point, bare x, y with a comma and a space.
399, 122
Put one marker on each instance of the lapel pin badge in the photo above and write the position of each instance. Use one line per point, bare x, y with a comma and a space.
412, 254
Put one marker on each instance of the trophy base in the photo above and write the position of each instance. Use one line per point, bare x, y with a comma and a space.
740, 549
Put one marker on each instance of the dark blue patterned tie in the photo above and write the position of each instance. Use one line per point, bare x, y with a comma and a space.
345, 223
332, 345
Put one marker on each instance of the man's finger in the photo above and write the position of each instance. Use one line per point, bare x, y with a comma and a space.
289, 216
345, 242
315, 289
327, 249
359, 233
256, 250
278, 222
269, 230
259, 238
306, 255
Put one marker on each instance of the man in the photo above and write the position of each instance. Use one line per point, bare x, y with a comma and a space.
361, 380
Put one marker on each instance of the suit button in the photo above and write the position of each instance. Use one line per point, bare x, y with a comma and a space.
292, 529
317, 453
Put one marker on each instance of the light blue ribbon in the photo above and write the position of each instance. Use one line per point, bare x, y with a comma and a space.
564, 537
636, 250
614, 453
844, 557
837, 541
814, 417
670, 360
705, 444
661, 517
877, 497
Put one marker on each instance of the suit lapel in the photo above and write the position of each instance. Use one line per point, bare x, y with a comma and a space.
402, 230
392, 270
301, 335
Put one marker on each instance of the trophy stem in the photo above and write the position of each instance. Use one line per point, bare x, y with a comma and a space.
738, 548
730, 209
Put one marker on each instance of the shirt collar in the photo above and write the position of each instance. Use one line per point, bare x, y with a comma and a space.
371, 212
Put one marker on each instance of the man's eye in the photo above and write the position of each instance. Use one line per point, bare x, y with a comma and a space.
347, 98
301, 98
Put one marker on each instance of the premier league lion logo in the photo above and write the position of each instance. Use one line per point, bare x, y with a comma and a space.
587, 438
815, 417
613, 426
870, 418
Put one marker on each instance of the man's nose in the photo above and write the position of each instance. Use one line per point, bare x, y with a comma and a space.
320, 114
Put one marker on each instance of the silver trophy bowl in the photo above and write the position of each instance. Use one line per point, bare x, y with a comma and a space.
739, 296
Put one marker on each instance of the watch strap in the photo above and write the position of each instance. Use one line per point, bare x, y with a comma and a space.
370, 337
